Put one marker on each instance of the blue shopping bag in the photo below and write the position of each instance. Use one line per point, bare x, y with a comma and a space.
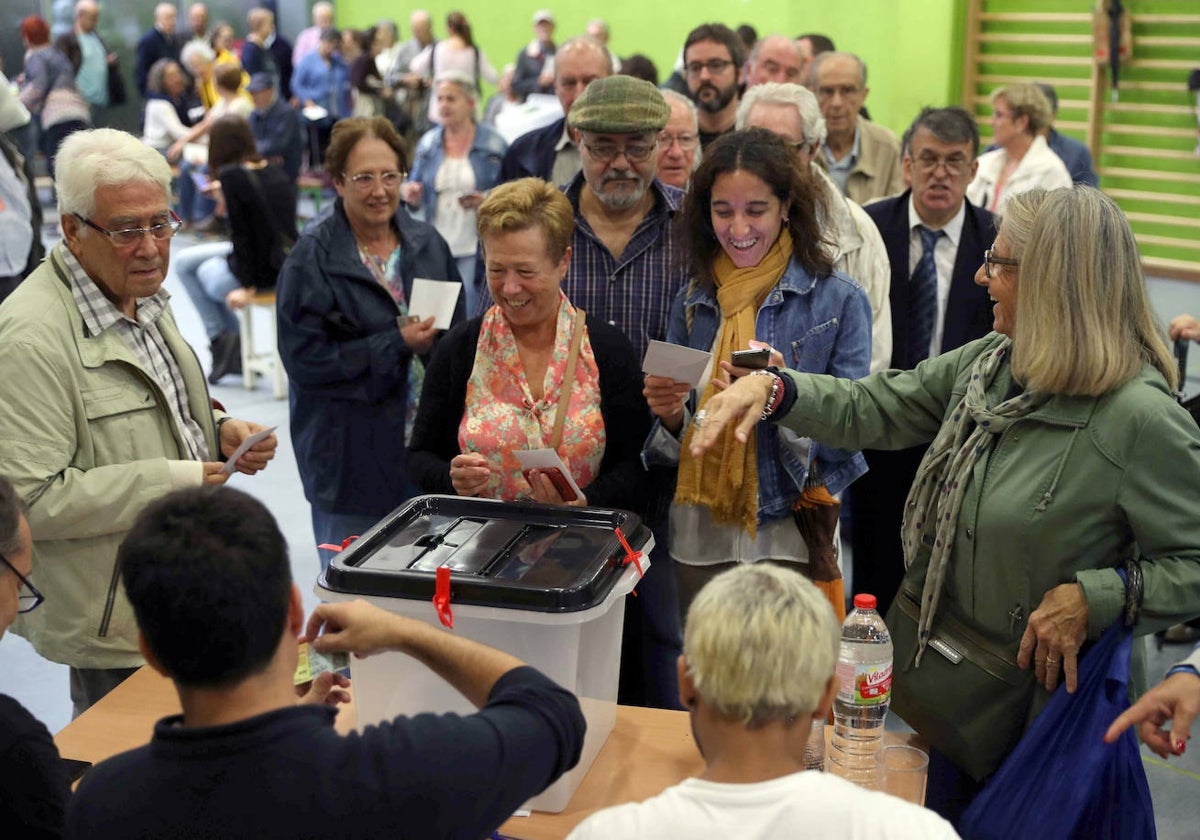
1062, 780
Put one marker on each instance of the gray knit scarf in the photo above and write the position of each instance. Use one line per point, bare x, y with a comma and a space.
937, 492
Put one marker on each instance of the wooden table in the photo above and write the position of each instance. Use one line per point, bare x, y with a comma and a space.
648, 750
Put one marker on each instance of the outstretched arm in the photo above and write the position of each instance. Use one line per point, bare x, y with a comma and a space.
362, 629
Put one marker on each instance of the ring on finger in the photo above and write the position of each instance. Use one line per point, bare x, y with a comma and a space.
1050, 660
698, 420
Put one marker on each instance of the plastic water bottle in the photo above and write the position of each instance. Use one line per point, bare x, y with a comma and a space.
864, 673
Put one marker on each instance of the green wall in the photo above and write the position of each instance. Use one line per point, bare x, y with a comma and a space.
912, 54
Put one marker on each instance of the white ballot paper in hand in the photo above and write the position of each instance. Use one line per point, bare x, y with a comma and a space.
547, 461
436, 298
231, 463
683, 364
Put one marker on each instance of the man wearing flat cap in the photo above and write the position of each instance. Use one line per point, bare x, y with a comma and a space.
624, 269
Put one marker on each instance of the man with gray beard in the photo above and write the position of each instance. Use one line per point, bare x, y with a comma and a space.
623, 270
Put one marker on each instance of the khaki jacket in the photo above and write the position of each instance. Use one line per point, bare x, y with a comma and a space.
87, 439
878, 172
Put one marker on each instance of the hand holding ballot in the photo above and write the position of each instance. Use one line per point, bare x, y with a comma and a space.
247, 446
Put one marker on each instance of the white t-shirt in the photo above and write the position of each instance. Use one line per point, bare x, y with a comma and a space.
812, 805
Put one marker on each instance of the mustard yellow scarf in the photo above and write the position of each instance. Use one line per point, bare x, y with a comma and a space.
725, 478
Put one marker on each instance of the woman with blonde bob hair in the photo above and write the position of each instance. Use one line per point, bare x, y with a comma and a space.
531, 372
1021, 160
1058, 495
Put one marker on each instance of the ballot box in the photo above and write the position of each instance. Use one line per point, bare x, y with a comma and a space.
545, 583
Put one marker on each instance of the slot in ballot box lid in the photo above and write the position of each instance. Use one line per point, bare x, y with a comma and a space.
518, 555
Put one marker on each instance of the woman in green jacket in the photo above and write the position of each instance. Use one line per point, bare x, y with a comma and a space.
1059, 460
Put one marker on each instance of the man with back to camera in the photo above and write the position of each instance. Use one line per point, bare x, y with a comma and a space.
207, 572
33, 779
550, 153
712, 63
751, 717
934, 309
791, 111
103, 405
863, 158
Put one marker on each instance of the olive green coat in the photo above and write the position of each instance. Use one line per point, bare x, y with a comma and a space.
1065, 494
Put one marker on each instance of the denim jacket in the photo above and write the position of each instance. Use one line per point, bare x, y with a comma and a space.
487, 152
820, 325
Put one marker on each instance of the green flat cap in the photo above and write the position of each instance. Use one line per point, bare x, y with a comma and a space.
620, 105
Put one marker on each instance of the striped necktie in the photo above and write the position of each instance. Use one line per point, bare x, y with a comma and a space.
922, 298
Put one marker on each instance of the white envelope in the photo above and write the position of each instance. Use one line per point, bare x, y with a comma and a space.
683, 364
436, 298
546, 459
231, 463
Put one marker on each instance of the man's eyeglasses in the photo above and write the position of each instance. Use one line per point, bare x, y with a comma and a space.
365, 181
928, 164
714, 66
160, 232
846, 91
989, 260
608, 152
687, 142
28, 598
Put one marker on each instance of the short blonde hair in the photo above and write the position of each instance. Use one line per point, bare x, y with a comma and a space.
1026, 100
760, 643
528, 203
1084, 323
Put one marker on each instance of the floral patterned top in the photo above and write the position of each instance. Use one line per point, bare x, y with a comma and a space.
500, 414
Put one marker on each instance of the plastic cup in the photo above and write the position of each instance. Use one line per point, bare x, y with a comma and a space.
901, 771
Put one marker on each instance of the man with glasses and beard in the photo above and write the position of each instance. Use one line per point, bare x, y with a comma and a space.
712, 63
623, 271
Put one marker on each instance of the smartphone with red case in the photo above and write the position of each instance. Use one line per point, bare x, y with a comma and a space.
558, 480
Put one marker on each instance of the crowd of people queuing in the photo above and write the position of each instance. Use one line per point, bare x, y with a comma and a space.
908, 294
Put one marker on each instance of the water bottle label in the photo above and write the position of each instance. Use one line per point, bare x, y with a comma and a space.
864, 685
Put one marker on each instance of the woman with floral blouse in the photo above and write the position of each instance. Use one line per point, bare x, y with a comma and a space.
495, 383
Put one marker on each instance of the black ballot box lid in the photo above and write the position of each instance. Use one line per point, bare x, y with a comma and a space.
516, 555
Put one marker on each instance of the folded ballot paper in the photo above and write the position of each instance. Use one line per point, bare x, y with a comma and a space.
673, 361
312, 662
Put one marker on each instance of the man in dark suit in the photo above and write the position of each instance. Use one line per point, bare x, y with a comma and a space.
162, 41
549, 153
935, 241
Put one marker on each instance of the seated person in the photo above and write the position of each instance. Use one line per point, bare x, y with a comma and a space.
217, 611
171, 110
495, 383
194, 206
221, 277
33, 779
751, 717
